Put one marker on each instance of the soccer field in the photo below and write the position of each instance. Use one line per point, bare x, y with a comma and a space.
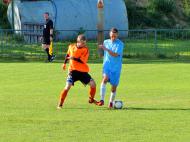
156, 108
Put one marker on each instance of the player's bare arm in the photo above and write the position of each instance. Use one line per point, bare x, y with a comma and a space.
51, 34
65, 61
109, 51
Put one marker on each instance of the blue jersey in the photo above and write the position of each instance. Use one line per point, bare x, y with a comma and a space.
114, 64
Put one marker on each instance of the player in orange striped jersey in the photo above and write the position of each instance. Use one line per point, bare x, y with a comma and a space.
77, 55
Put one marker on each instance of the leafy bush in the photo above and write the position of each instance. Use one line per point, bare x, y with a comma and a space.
136, 15
165, 6
186, 5
3, 14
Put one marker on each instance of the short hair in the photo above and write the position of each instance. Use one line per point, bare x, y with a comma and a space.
114, 30
47, 13
82, 37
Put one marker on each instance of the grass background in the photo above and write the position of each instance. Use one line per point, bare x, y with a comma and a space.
144, 49
155, 95
140, 44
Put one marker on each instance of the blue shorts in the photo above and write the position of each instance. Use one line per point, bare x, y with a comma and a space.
113, 77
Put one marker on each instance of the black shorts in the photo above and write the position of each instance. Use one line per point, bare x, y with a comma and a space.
46, 40
74, 76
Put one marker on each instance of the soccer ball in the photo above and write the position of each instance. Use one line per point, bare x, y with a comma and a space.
118, 104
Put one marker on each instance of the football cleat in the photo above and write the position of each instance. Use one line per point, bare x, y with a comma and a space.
92, 100
52, 58
59, 106
100, 103
110, 105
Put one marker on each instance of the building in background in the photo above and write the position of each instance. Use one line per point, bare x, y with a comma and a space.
68, 15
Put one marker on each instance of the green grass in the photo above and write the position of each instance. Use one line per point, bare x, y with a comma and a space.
173, 49
169, 45
164, 49
155, 95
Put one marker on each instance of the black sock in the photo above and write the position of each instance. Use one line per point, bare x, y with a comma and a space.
49, 56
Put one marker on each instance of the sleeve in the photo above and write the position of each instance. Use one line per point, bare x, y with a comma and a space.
65, 61
51, 24
119, 49
84, 56
105, 43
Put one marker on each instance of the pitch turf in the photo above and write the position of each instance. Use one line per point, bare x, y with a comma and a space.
156, 105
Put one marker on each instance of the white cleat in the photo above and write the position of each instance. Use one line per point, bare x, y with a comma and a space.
59, 107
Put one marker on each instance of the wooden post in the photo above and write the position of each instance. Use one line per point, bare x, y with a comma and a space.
100, 26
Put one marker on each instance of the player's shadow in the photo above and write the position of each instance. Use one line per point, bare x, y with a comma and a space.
157, 109
130, 108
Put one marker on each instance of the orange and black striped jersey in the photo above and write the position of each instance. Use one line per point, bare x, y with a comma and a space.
80, 53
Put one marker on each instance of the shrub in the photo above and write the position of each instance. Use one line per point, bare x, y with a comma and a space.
165, 6
186, 5
3, 14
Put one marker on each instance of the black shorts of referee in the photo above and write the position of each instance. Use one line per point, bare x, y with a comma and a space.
46, 40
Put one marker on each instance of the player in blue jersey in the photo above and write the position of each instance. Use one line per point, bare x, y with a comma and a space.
112, 64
